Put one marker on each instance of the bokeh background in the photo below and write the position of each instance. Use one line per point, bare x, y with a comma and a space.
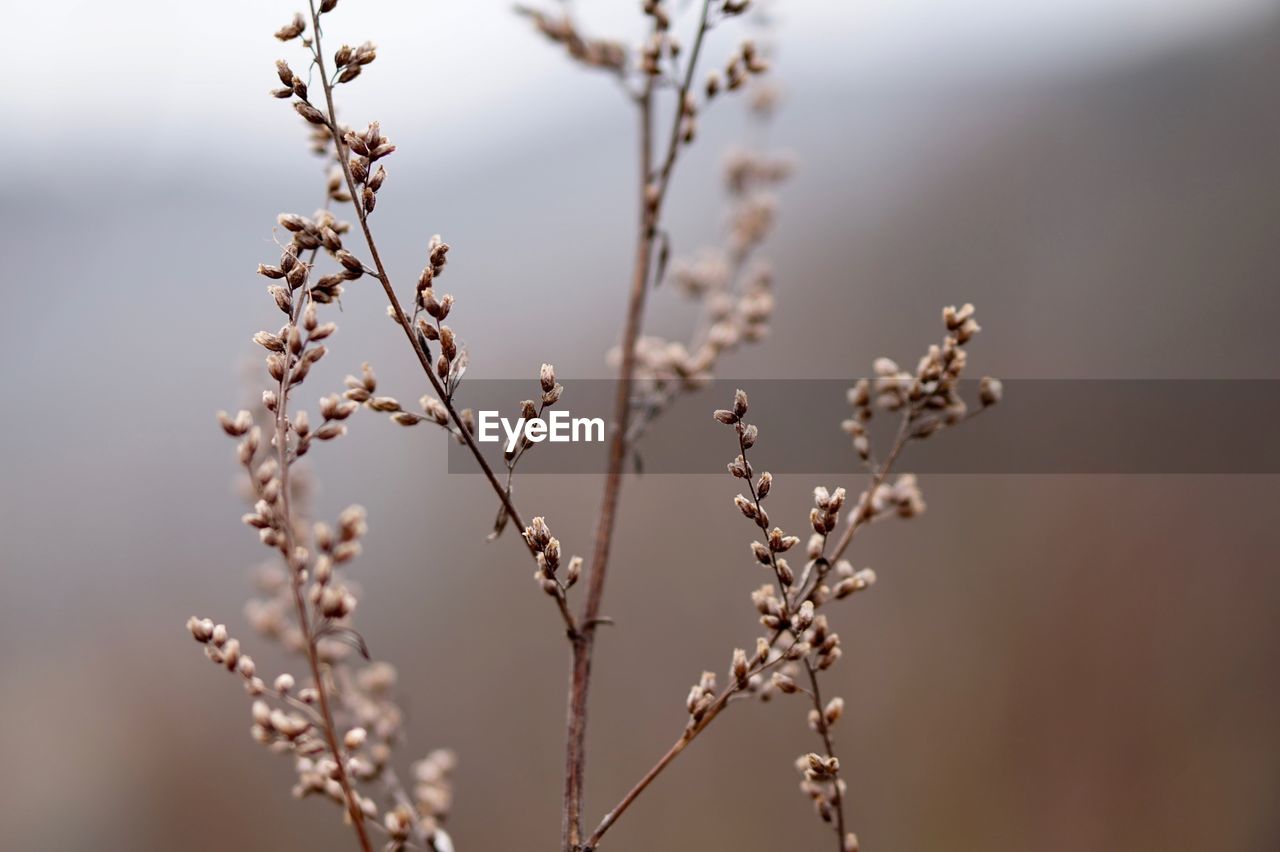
1050, 663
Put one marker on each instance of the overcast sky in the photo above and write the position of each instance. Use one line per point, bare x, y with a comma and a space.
174, 66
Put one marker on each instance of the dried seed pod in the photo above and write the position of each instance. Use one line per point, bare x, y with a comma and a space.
574, 571
293, 29
990, 390
764, 484
739, 669
310, 113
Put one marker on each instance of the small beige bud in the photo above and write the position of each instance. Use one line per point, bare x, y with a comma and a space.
804, 617
990, 391
765, 483
740, 667
201, 629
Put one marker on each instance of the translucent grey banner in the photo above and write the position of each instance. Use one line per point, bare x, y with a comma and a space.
1042, 426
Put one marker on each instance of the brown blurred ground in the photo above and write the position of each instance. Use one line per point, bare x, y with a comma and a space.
1050, 663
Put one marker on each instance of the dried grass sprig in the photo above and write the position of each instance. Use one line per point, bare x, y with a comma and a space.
342, 724
357, 154
292, 352
926, 401
660, 65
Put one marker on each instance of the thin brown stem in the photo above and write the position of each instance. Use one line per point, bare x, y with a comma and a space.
300, 605
652, 192
864, 510
861, 515
402, 319
690, 734
576, 724
824, 731
384, 279
686, 85
760, 520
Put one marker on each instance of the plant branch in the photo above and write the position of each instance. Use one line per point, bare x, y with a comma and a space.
824, 731
300, 605
690, 734
652, 193
860, 516
864, 510
380, 272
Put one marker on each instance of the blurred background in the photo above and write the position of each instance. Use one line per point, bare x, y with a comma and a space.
1049, 663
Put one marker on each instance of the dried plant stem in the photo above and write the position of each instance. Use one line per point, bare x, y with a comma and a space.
824, 731
575, 756
864, 511
736, 301
384, 279
652, 192
380, 272
583, 646
673, 145
690, 734
300, 604
764, 524
859, 517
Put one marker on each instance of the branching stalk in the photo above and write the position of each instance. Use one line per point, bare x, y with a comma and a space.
304, 620
652, 193
402, 319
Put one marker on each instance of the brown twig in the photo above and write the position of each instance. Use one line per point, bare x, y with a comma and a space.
859, 517
652, 192
402, 319
300, 605
824, 731
864, 511
690, 734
